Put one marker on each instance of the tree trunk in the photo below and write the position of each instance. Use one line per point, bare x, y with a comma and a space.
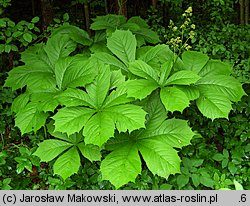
33, 7
106, 6
154, 3
133, 11
122, 7
246, 11
242, 17
165, 14
11, 60
87, 19
47, 12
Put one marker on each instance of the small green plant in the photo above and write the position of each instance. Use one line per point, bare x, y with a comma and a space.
15, 36
26, 160
59, 184
57, 22
237, 186
116, 101
221, 182
5, 184
223, 158
193, 171
4, 4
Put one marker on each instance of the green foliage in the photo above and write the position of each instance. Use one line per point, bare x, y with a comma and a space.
15, 36
227, 143
26, 160
110, 23
217, 11
192, 172
223, 158
221, 182
230, 43
4, 185
58, 21
116, 101
69, 162
4, 4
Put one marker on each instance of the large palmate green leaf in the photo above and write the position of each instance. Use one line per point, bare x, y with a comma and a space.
156, 112
192, 92
66, 147
183, 83
97, 111
109, 59
158, 55
75, 33
156, 144
99, 129
182, 78
123, 45
91, 152
46, 101
194, 61
127, 117
41, 83
121, 166
38, 71
216, 89
140, 88
109, 21
99, 89
160, 157
36, 57
74, 72
139, 21
30, 119
214, 105
116, 97
174, 132
68, 163
20, 102
148, 35
215, 67
59, 46
220, 84
37, 78
75, 97
142, 69
50, 149
174, 99
72, 119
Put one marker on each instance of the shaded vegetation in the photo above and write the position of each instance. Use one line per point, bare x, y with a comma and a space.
219, 152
